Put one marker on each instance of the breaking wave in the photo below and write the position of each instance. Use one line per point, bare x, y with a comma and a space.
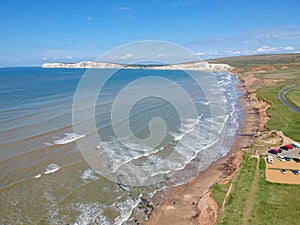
52, 168
69, 137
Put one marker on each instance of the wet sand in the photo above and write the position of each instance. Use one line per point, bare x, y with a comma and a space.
191, 203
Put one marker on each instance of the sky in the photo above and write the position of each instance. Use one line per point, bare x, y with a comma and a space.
38, 31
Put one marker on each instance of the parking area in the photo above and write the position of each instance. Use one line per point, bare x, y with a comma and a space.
293, 153
274, 174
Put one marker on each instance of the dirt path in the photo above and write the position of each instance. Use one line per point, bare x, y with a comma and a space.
251, 195
231, 185
226, 196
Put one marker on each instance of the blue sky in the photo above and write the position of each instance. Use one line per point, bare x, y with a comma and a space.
37, 31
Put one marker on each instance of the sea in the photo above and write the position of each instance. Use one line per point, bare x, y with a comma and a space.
45, 176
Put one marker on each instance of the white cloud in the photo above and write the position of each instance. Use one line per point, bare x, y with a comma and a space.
44, 58
122, 8
68, 57
200, 53
129, 16
262, 50
289, 48
232, 52
213, 53
59, 57
266, 48
166, 56
174, 4
126, 56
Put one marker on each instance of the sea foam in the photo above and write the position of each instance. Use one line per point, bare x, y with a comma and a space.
38, 176
69, 137
89, 175
52, 168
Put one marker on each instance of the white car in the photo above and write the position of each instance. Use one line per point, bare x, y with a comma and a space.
281, 158
270, 159
297, 145
283, 171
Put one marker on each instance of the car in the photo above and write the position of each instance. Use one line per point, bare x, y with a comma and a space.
296, 145
270, 159
284, 148
289, 146
283, 171
277, 150
287, 158
296, 160
295, 172
281, 158
273, 151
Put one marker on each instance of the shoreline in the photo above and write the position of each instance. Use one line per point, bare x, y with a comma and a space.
191, 203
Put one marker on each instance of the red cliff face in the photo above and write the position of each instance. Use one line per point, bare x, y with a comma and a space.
208, 210
237, 70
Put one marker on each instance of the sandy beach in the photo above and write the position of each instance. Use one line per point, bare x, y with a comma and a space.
191, 203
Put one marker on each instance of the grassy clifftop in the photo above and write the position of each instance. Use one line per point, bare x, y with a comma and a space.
270, 74
258, 60
252, 199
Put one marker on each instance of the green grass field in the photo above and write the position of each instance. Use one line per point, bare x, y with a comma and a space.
293, 96
282, 118
258, 60
236, 201
219, 192
272, 203
275, 203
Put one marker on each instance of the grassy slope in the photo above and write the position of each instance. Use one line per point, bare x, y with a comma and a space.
293, 96
219, 192
235, 205
258, 60
273, 203
282, 118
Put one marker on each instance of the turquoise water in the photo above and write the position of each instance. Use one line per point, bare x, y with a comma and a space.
45, 179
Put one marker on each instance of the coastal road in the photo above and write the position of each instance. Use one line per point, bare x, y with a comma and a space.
284, 101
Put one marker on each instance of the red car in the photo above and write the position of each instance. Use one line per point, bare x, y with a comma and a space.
277, 150
274, 151
289, 146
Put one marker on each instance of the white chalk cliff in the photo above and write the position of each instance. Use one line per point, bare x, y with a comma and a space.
202, 66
